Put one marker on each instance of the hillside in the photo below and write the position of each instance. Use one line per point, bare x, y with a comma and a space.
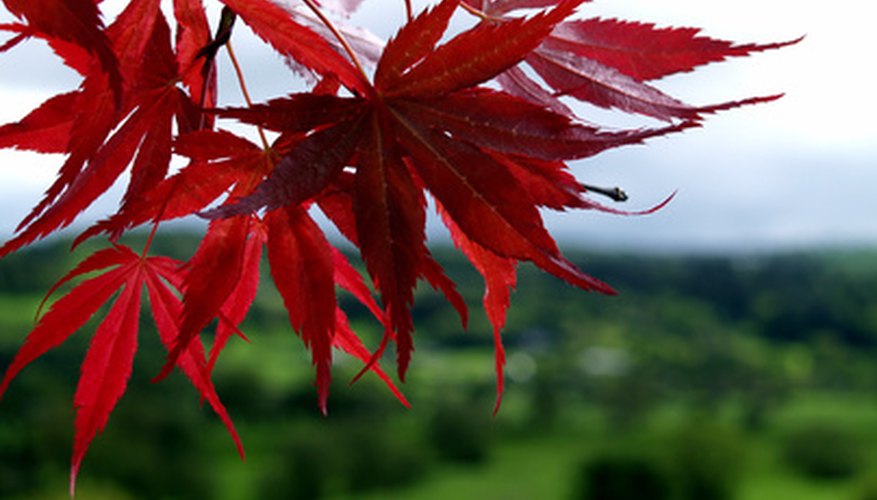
758, 357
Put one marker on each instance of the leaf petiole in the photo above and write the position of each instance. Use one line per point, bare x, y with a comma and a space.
475, 12
246, 93
338, 36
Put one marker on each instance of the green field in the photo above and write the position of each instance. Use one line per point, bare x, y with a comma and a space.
741, 377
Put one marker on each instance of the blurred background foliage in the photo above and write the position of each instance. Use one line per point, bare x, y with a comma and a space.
709, 377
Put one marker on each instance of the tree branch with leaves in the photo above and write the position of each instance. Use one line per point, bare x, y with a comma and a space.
482, 124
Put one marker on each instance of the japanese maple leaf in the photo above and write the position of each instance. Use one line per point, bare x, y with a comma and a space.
607, 62
305, 268
297, 41
424, 124
222, 162
81, 123
108, 364
196, 65
219, 162
71, 22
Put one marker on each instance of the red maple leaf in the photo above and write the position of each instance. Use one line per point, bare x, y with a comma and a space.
305, 268
107, 366
606, 62
142, 107
425, 125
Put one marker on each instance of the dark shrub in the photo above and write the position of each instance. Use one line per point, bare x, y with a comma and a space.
627, 476
345, 456
707, 460
824, 450
382, 460
461, 432
867, 488
304, 469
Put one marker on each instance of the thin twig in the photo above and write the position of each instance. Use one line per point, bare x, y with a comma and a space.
475, 12
151, 237
615, 194
338, 36
243, 84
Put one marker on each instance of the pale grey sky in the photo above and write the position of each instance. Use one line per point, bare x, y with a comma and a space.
798, 172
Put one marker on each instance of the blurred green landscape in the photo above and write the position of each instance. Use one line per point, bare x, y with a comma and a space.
708, 377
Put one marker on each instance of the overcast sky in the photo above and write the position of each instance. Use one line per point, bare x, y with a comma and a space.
795, 173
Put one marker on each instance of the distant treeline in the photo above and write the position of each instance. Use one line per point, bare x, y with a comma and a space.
787, 296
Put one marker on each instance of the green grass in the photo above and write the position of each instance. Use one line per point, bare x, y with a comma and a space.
17, 315
544, 466
526, 469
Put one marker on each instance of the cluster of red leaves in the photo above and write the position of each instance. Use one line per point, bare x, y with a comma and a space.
464, 120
